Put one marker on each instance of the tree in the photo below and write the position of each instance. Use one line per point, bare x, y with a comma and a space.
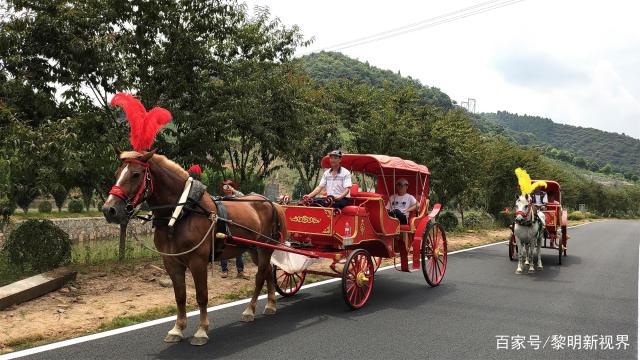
317, 135
456, 149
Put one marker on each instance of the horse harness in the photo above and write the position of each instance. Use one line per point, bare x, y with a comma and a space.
219, 218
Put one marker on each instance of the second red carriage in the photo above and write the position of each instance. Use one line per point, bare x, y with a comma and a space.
556, 224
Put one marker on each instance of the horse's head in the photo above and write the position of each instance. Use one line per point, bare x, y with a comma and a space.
133, 185
523, 209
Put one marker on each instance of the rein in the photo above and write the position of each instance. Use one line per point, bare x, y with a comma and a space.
146, 189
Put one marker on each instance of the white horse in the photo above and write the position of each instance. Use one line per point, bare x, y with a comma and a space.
526, 230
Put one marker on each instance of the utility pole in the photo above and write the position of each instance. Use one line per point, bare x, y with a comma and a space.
469, 104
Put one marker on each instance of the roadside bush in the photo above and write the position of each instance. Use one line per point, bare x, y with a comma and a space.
75, 206
477, 219
44, 207
448, 220
504, 219
576, 215
7, 207
38, 245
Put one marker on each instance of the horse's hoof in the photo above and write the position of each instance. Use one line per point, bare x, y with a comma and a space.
172, 338
246, 318
539, 268
531, 271
269, 311
199, 341
519, 272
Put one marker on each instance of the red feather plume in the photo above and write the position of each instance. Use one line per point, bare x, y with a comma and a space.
144, 125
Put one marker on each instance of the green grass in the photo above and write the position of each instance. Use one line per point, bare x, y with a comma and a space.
10, 273
98, 252
115, 323
157, 313
20, 215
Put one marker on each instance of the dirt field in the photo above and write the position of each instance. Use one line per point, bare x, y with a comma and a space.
98, 296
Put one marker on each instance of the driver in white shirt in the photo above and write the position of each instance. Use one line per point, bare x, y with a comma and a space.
336, 181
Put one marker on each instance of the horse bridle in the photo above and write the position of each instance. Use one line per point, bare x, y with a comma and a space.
525, 215
143, 192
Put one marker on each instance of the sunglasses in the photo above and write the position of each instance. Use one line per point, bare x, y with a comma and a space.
400, 184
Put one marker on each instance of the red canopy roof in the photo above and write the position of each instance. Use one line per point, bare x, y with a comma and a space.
373, 164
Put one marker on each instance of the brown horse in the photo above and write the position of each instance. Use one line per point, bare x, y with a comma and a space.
158, 181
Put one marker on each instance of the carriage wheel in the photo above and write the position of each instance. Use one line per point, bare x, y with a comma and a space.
434, 254
513, 248
357, 278
559, 251
287, 284
564, 240
377, 260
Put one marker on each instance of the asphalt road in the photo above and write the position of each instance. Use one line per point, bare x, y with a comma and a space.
594, 292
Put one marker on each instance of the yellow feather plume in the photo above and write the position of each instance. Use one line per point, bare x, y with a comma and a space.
525, 182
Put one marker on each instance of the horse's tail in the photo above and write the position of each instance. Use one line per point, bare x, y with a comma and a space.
282, 223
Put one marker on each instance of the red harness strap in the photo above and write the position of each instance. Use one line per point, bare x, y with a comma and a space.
118, 192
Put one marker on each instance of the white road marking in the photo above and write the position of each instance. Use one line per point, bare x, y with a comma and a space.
167, 319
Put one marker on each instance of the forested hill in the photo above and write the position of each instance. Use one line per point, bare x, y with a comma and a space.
326, 66
584, 147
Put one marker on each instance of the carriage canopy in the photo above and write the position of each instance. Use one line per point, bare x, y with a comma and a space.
552, 190
379, 164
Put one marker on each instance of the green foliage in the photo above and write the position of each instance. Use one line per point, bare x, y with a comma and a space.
328, 66
504, 219
477, 219
38, 245
59, 194
584, 147
75, 206
448, 220
576, 215
44, 207
7, 207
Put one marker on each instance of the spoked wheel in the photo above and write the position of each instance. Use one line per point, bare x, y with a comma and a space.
513, 248
377, 260
564, 239
434, 254
560, 252
287, 284
357, 278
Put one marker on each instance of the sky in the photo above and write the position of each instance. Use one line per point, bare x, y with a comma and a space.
575, 62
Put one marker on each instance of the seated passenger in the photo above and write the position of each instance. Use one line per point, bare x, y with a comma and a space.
401, 203
336, 181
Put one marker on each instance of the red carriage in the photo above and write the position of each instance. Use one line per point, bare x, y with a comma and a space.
358, 236
556, 224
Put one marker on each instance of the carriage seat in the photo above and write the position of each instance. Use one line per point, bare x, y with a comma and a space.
415, 217
353, 210
356, 193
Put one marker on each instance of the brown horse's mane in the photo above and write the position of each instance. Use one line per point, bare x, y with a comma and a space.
169, 165
160, 160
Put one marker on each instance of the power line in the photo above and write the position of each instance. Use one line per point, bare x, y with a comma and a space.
412, 24
445, 18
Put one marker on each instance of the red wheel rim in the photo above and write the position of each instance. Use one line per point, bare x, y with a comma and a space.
434, 261
357, 279
376, 262
287, 284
